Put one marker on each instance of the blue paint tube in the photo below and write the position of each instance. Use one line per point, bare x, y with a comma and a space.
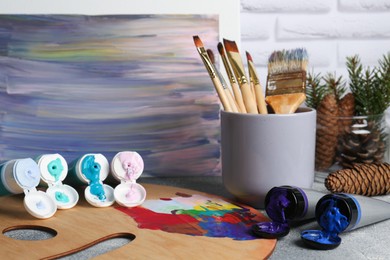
284, 205
91, 170
23, 176
340, 212
54, 169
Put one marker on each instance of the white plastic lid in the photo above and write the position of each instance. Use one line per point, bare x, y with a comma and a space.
26, 173
129, 194
54, 168
127, 165
64, 196
39, 204
95, 201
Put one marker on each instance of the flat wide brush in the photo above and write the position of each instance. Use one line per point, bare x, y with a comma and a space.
254, 78
286, 80
232, 79
213, 75
225, 87
238, 69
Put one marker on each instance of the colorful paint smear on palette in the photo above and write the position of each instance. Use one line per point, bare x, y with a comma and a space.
195, 215
75, 84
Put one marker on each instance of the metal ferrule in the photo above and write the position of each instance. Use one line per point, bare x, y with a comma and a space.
239, 72
286, 83
229, 72
253, 74
221, 79
207, 62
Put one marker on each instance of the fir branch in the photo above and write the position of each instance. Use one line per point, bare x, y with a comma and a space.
336, 85
370, 87
315, 91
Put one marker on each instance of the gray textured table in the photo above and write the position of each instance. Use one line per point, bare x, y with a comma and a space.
369, 242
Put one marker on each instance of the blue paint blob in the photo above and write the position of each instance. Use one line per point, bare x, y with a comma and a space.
40, 205
332, 222
61, 197
91, 171
55, 168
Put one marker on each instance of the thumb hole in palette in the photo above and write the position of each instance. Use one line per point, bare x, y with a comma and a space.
93, 249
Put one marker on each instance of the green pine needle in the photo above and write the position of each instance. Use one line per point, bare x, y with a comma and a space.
370, 86
315, 91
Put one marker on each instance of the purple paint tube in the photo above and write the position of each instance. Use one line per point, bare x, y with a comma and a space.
284, 205
340, 212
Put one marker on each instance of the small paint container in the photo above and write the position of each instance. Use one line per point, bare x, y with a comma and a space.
54, 169
127, 166
92, 169
284, 205
23, 176
339, 212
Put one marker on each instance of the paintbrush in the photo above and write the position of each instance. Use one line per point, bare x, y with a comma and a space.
213, 75
232, 79
286, 80
225, 87
238, 69
255, 82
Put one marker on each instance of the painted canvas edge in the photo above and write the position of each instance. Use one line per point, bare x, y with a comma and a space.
228, 10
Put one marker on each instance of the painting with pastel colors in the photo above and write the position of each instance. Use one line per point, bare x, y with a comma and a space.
76, 84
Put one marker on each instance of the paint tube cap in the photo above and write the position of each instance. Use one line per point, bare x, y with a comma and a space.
282, 204
95, 201
53, 167
26, 173
129, 194
39, 204
291, 199
65, 196
334, 213
127, 166
270, 229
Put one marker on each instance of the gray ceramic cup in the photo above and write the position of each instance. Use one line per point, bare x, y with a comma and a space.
260, 152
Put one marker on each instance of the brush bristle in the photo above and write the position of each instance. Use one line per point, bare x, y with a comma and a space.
221, 49
197, 41
283, 61
249, 57
211, 55
230, 45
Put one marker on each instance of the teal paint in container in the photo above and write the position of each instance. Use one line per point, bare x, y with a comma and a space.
127, 166
91, 170
54, 169
23, 176
341, 212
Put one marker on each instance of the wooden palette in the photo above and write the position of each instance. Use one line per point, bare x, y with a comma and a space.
84, 225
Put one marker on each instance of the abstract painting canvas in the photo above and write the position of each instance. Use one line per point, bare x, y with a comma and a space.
75, 84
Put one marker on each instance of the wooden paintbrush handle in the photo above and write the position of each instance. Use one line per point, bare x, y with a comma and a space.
232, 101
238, 97
260, 99
222, 95
249, 100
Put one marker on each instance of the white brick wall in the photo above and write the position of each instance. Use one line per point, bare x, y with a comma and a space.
330, 30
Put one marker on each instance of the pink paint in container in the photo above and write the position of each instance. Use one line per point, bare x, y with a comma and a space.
126, 167
23, 176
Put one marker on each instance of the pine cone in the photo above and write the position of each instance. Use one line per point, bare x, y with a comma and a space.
362, 179
361, 144
346, 111
327, 132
